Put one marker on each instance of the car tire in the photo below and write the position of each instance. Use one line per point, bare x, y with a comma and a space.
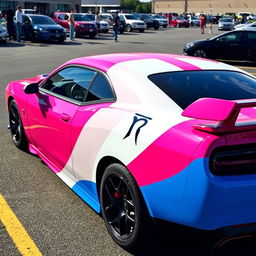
165, 26
128, 28
156, 28
200, 53
121, 31
142, 30
123, 208
16, 127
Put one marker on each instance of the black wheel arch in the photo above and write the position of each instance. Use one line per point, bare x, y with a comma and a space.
102, 166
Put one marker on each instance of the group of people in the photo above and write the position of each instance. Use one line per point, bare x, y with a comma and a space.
14, 32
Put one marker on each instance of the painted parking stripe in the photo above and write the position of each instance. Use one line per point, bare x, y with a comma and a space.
17, 232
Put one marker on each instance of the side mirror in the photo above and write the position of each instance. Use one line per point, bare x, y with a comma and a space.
31, 88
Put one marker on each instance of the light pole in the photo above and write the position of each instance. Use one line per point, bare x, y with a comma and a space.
186, 6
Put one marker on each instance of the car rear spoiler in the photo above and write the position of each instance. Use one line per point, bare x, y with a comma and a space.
225, 112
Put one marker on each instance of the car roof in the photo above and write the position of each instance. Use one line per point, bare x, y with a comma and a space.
105, 62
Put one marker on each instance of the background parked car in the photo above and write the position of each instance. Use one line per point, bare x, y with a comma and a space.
3, 34
108, 17
42, 28
179, 22
234, 45
226, 24
83, 25
150, 22
132, 23
193, 20
104, 26
249, 26
215, 19
162, 21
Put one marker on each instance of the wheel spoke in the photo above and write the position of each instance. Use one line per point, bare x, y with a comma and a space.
110, 195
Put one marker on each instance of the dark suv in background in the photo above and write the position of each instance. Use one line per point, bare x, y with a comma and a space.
150, 22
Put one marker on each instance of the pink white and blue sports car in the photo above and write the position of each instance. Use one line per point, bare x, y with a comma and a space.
145, 134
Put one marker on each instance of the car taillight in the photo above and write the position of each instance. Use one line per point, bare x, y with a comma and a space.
234, 160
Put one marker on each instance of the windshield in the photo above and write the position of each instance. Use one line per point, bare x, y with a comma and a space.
158, 17
90, 17
225, 20
81, 17
188, 86
130, 17
42, 20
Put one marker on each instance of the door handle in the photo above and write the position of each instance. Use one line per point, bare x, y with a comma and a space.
65, 117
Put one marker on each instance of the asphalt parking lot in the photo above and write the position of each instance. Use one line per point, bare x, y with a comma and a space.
57, 221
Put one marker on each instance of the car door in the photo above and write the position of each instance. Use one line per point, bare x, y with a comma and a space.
248, 46
62, 19
227, 46
51, 112
91, 126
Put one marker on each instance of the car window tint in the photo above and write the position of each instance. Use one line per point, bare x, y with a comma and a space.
231, 37
252, 36
187, 86
100, 89
71, 82
62, 17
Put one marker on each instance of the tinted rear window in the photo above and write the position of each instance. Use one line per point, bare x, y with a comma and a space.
187, 86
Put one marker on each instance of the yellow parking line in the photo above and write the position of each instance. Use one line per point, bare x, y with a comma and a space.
17, 232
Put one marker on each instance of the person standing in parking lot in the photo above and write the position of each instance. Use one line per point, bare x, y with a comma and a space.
116, 21
71, 22
98, 22
202, 22
9, 15
18, 16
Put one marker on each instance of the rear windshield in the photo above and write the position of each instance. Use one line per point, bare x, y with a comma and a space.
185, 87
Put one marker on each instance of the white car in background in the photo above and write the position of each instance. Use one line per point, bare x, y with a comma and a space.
104, 26
226, 24
3, 34
132, 23
246, 26
162, 21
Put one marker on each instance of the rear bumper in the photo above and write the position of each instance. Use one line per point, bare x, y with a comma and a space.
198, 199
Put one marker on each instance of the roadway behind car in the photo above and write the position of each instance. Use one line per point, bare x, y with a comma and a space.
57, 220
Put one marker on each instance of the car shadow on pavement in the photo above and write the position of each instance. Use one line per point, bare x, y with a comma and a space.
174, 240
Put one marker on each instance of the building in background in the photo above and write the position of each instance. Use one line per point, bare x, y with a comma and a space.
100, 5
206, 6
43, 6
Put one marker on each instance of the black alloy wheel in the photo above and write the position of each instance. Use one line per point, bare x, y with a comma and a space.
123, 209
16, 127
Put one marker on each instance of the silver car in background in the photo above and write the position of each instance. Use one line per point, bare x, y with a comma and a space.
226, 24
246, 26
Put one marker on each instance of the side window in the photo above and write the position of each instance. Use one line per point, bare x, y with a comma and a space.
26, 19
230, 37
252, 37
62, 17
122, 17
71, 82
100, 89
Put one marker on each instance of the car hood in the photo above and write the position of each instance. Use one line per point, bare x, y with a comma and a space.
48, 26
